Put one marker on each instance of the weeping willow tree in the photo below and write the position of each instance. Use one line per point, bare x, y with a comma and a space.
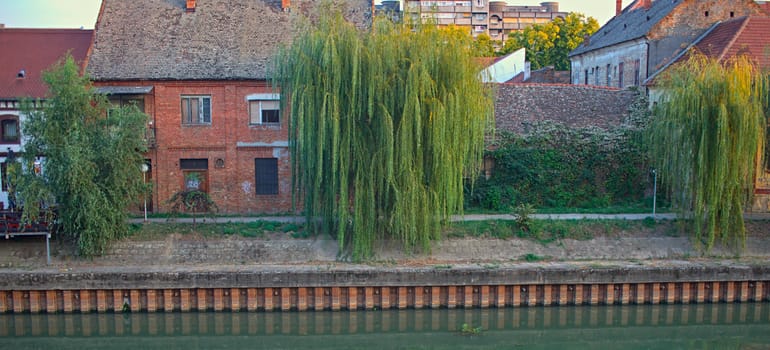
384, 125
706, 136
91, 159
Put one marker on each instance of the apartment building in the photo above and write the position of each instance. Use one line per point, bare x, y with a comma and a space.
495, 18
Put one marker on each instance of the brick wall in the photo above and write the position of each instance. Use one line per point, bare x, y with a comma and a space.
230, 178
519, 105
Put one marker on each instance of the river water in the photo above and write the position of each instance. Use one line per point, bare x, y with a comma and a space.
706, 326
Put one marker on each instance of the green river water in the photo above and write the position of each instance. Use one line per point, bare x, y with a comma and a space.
706, 326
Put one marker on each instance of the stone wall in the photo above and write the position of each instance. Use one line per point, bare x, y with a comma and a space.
519, 105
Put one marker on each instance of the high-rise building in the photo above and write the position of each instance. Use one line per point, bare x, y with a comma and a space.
495, 18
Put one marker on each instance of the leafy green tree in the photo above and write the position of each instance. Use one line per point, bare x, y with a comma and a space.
92, 157
549, 44
484, 46
705, 138
383, 127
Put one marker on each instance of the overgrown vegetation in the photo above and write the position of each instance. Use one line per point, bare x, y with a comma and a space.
255, 229
709, 126
91, 164
192, 201
558, 167
383, 126
546, 231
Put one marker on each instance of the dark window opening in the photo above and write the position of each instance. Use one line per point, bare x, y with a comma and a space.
609, 74
620, 75
266, 175
732, 14
127, 100
194, 164
586, 79
637, 72
706, 14
596, 76
4, 175
10, 130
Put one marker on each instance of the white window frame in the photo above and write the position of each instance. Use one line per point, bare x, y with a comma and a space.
201, 119
259, 98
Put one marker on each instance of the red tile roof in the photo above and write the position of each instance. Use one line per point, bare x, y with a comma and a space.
740, 36
752, 40
34, 50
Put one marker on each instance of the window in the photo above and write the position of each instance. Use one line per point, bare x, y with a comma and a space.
609, 74
4, 175
637, 72
266, 175
620, 75
127, 100
10, 130
264, 112
586, 79
194, 173
196, 110
596, 76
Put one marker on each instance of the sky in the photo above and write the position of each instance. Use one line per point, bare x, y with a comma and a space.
82, 13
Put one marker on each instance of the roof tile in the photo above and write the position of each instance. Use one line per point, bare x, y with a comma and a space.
35, 50
220, 40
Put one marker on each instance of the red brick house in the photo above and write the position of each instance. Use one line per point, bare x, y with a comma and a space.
25, 54
200, 70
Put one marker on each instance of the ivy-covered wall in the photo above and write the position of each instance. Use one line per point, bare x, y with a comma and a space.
556, 166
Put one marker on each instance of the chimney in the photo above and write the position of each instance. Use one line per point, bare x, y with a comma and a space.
285, 4
618, 7
638, 4
2, 25
190, 6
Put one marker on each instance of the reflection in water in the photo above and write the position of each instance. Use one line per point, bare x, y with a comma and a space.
730, 326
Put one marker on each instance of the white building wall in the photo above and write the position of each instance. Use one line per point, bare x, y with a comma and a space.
506, 68
594, 64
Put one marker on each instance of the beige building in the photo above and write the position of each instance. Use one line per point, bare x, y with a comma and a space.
495, 18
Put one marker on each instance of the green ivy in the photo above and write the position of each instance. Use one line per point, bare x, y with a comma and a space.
558, 167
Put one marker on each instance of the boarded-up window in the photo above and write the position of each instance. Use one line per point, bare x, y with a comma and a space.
195, 173
266, 175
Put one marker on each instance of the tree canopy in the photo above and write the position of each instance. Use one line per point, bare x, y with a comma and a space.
384, 125
705, 136
549, 44
91, 159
